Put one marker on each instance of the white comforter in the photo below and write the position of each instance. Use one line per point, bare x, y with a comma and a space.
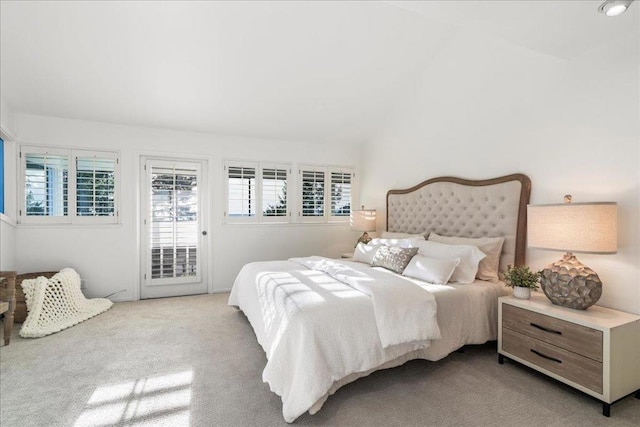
320, 334
404, 312
316, 329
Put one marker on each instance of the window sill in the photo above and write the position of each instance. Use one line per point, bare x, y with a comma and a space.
69, 225
8, 220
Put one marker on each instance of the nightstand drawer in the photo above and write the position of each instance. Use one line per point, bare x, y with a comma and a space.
569, 336
574, 367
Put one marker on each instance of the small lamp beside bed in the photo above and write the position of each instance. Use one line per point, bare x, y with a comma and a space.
572, 227
363, 220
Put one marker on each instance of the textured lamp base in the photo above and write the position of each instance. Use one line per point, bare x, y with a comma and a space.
570, 283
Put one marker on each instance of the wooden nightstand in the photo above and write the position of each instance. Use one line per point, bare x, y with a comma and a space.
596, 351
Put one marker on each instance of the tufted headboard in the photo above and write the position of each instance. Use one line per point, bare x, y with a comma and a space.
459, 207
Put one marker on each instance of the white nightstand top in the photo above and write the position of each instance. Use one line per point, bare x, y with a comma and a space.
594, 317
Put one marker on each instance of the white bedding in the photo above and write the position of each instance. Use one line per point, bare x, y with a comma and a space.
403, 311
320, 333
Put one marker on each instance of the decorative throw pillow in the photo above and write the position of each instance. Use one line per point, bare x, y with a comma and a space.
469, 255
365, 253
490, 246
393, 258
431, 270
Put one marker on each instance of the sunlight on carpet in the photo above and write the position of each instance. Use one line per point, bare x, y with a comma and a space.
157, 400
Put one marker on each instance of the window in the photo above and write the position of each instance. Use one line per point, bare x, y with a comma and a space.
275, 205
320, 205
340, 194
241, 191
173, 220
1, 176
95, 186
68, 186
257, 192
46, 184
313, 192
260, 192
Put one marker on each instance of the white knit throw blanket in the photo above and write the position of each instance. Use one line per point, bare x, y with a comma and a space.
57, 303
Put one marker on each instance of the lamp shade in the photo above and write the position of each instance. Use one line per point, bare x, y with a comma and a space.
363, 220
574, 227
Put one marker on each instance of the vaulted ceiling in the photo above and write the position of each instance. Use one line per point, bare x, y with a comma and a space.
312, 71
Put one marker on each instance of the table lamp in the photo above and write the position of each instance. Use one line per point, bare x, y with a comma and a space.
572, 227
363, 220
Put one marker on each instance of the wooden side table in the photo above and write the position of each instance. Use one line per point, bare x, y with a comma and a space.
596, 351
8, 301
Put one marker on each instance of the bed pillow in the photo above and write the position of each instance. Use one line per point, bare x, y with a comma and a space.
393, 258
365, 253
469, 255
392, 235
490, 246
431, 270
402, 243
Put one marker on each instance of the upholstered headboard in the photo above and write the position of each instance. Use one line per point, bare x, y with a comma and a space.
459, 207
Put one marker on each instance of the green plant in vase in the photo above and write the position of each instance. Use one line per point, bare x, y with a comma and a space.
522, 280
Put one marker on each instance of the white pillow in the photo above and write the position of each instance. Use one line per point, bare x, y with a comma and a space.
365, 253
391, 235
490, 246
469, 255
403, 243
436, 271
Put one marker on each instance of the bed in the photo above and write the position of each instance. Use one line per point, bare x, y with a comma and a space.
324, 323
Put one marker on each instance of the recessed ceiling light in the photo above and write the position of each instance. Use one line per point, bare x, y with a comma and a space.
614, 7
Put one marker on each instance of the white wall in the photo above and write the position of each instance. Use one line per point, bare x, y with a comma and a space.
7, 219
6, 116
7, 244
106, 256
488, 108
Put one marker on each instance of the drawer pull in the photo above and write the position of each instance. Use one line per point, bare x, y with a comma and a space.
545, 356
545, 329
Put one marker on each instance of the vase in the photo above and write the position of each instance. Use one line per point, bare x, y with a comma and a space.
570, 283
521, 293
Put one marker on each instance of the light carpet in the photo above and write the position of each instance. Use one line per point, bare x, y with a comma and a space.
194, 361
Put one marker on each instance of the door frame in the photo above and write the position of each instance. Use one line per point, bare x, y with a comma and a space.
140, 157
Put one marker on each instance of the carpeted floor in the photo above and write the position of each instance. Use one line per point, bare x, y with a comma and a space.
195, 361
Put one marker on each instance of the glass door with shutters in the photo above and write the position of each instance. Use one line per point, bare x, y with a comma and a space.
173, 237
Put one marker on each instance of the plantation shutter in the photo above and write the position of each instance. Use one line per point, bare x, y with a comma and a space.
313, 194
174, 222
275, 205
95, 186
63, 185
46, 184
340, 194
241, 192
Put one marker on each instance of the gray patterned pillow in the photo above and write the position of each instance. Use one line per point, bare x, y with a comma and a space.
393, 258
